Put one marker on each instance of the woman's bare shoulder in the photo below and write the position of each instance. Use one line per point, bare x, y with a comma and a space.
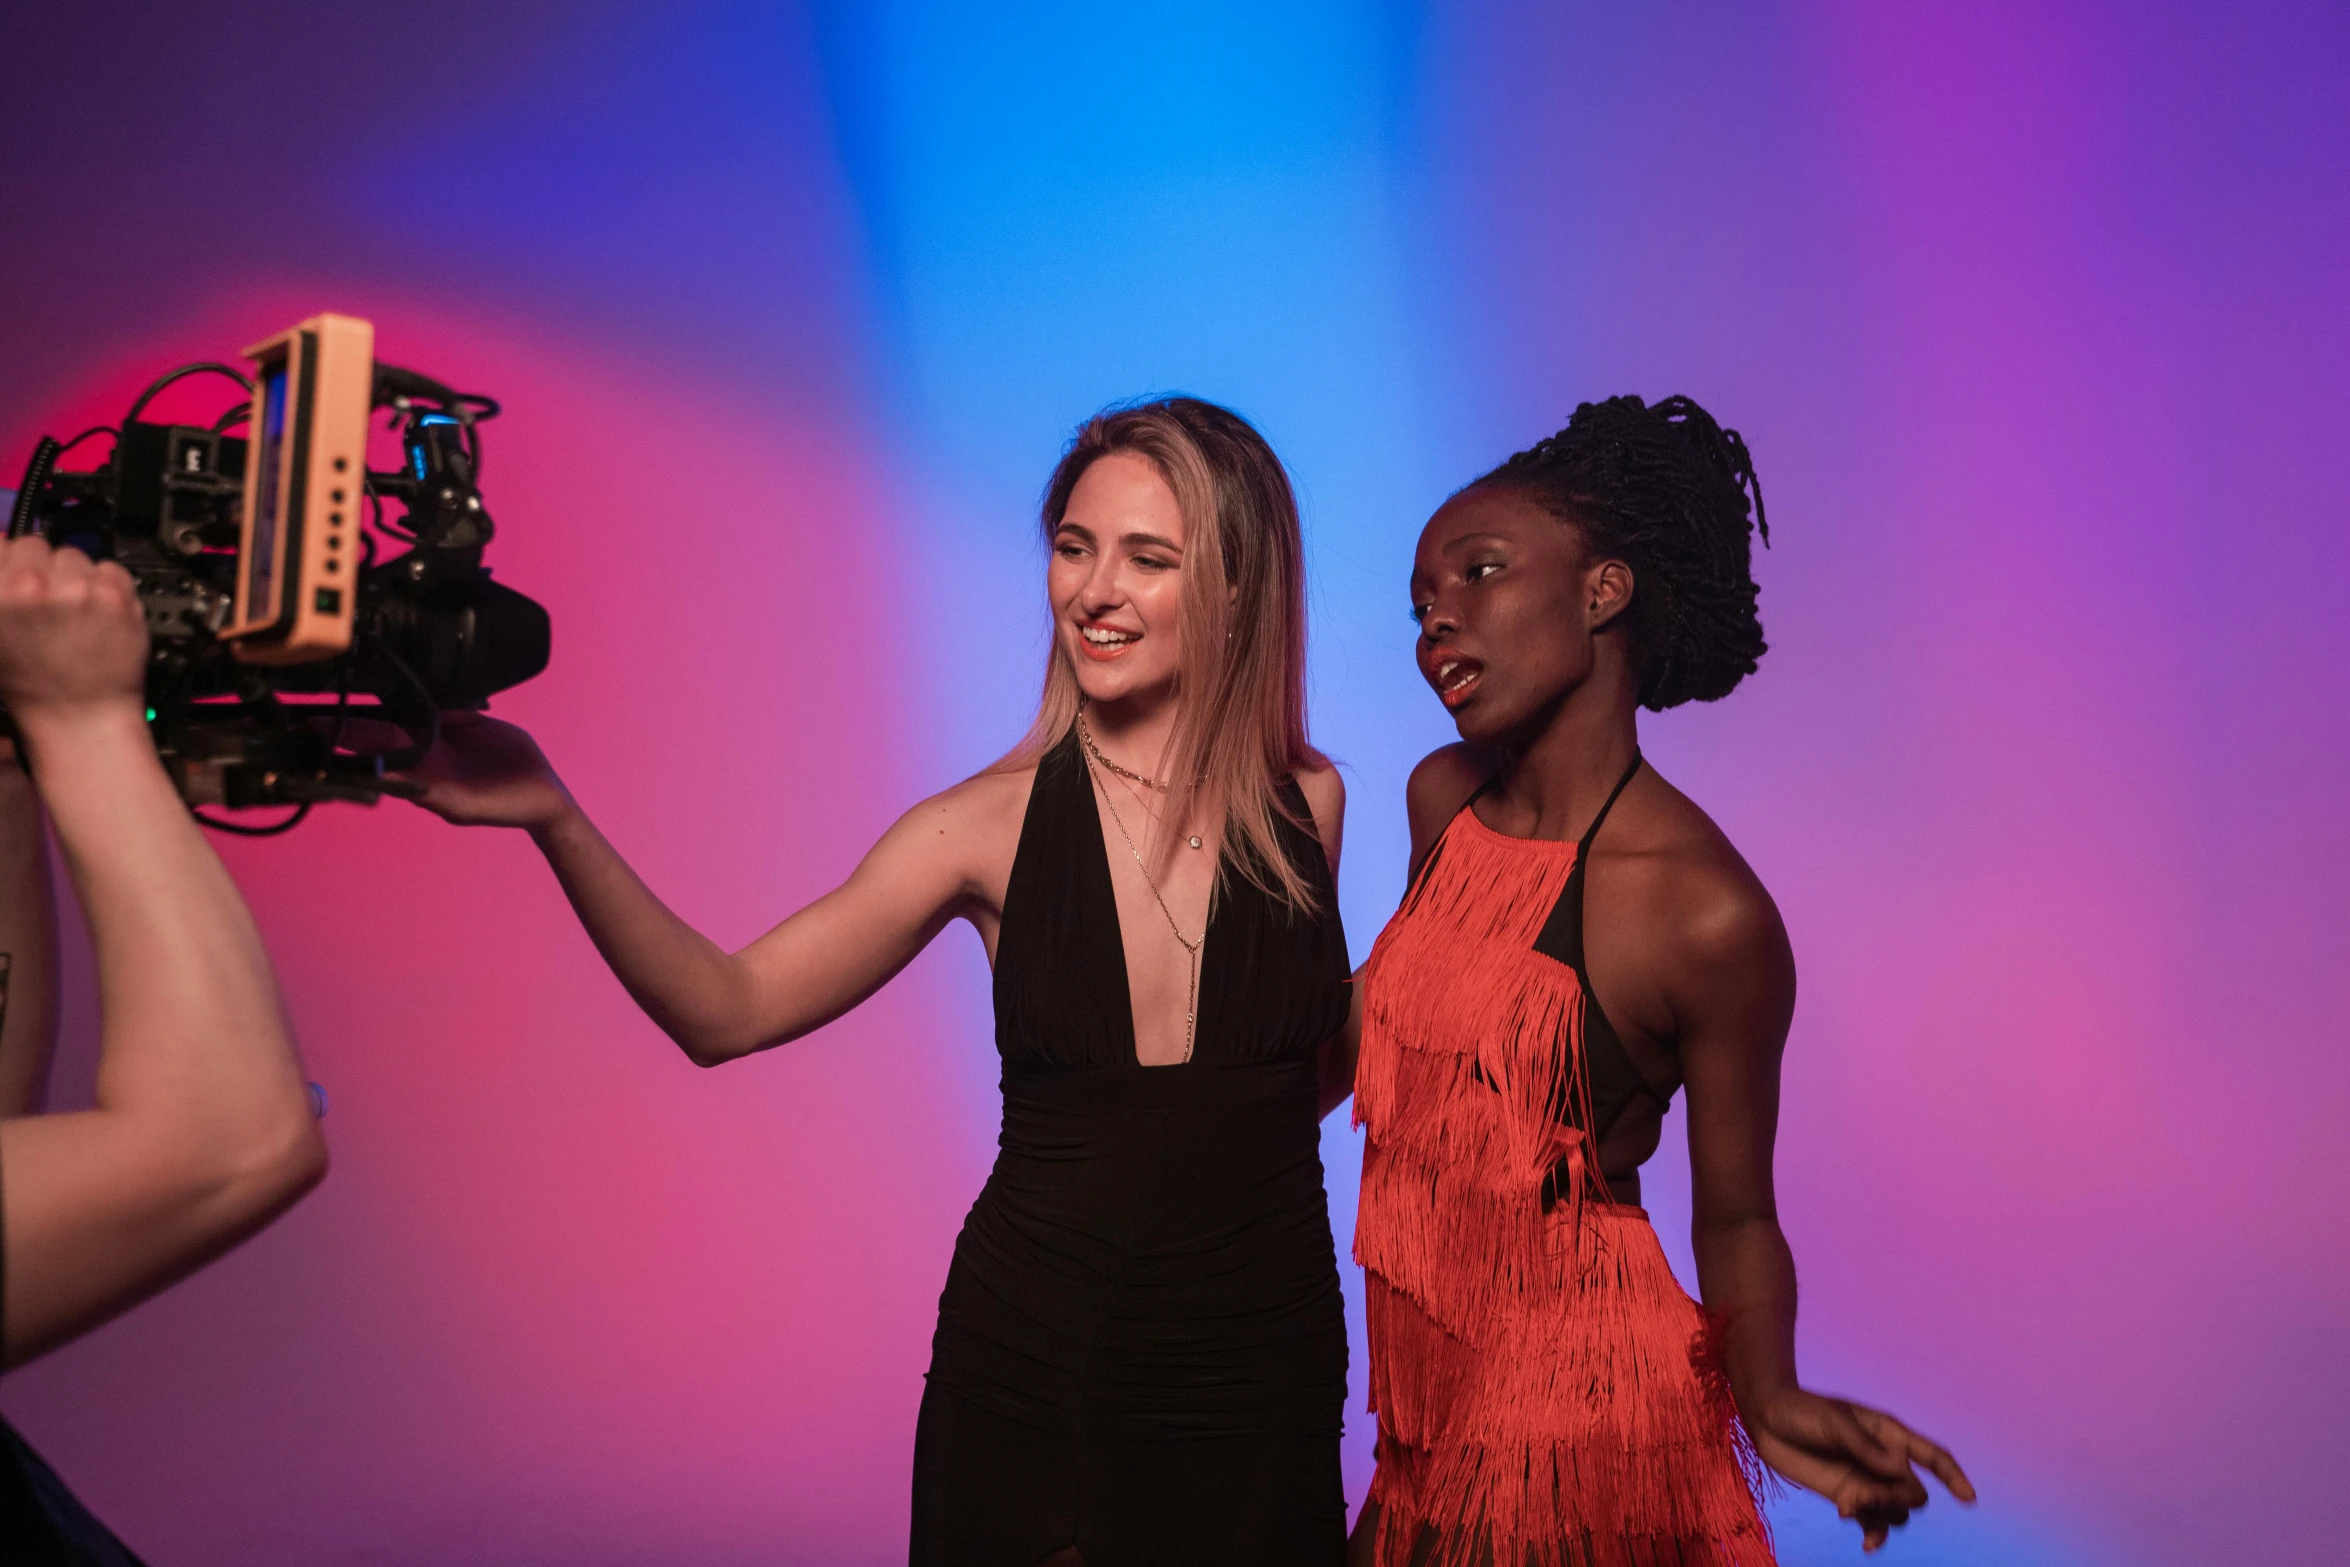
1442, 783
1436, 791
975, 821
989, 804
1325, 791
960, 842
1685, 874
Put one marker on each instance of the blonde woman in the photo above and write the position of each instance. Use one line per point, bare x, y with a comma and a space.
1140, 1355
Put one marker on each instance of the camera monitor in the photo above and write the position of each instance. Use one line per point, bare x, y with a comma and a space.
304, 484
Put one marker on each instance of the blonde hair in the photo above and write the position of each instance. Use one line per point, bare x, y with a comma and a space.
1240, 725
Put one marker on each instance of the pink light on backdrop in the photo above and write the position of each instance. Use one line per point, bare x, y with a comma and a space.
565, 1297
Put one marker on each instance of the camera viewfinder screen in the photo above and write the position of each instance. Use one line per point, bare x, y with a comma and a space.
263, 562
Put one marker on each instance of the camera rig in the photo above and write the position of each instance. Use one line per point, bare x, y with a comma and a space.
269, 612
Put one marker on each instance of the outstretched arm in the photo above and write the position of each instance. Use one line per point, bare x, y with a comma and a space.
929, 867
202, 1129
1733, 1018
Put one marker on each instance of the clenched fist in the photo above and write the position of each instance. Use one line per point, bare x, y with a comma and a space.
73, 639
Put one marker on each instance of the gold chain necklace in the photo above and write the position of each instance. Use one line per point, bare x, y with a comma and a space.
1095, 751
1190, 946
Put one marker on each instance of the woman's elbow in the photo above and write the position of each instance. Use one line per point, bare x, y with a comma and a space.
716, 1024
304, 1163
703, 1054
279, 1161
709, 1047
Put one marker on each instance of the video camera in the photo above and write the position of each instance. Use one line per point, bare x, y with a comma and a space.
266, 604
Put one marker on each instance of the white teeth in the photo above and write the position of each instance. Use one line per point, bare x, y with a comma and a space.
1100, 638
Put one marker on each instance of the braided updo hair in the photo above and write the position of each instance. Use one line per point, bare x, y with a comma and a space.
1664, 490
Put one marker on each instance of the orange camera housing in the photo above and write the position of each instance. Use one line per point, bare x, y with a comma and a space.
305, 480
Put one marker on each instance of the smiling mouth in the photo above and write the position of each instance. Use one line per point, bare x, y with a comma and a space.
1455, 679
1104, 641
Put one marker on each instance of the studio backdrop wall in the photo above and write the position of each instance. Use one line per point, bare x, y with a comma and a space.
2031, 315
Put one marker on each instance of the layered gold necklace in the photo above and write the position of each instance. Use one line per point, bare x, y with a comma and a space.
1086, 736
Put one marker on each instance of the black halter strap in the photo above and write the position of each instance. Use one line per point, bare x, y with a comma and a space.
1614, 1081
1562, 933
1583, 845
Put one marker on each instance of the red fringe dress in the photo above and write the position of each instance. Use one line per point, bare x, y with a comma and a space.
1545, 1388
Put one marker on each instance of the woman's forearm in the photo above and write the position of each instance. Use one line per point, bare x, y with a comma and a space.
202, 1128
1746, 1275
1334, 1064
698, 993
190, 1005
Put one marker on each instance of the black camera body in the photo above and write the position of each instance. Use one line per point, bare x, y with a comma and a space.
421, 631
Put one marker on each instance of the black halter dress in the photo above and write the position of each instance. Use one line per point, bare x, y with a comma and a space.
1140, 1348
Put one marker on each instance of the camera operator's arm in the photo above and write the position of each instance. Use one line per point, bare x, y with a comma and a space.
933, 865
28, 944
202, 1129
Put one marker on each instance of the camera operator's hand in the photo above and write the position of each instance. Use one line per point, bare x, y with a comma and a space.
484, 773
73, 640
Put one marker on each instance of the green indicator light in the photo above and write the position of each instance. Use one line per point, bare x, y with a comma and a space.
150, 715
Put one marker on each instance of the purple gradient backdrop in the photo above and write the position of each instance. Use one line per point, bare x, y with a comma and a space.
2033, 318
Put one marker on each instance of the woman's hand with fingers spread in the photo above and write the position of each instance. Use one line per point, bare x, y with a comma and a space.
481, 772
1857, 1457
